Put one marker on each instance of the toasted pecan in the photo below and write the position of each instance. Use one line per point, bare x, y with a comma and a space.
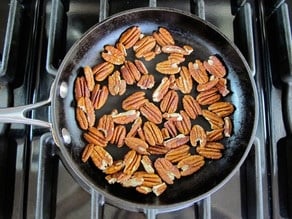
152, 133
130, 36
151, 112
215, 66
134, 101
166, 170
169, 102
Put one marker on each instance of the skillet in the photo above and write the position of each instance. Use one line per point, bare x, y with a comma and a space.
186, 29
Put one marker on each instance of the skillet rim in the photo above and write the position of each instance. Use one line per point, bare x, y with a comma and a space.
85, 182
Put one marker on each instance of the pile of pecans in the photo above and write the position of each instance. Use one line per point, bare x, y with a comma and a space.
163, 133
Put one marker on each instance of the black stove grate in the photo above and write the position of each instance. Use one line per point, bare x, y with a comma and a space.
38, 35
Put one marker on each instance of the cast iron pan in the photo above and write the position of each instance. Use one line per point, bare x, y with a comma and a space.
186, 29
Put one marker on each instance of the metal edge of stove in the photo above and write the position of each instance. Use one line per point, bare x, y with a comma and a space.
8, 37
56, 9
12, 27
9, 60
98, 201
12, 137
278, 50
43, 175
245, 18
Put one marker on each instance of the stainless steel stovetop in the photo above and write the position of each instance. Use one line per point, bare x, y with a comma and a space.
34, 37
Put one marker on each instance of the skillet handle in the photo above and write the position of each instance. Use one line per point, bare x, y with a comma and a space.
151, 213
17, 114
97, 205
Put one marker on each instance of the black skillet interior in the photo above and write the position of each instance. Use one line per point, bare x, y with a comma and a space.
206, 41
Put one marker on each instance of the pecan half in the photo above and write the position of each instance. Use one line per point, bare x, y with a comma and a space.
81, 119
99, 96
166, 170
141, 67
227, 127
89, 77
150, 179
159, 189
191, 106
134, 101
184, 82
152, 133
137, 144
222, 109
161, 90
87, 152
172, 116
115, 167
143, 189
222, 87
134, 128
198, 135
148, 56
163, 37
151, 112
130, 36
214, 145
184, 126
176, 58
177, 154
102, 70
215, 121
167, 67
125, 117
215, 67
198, 72
171, 128
132, 162
118, 136
176, 141
158, 149
208, 97
191, 164
80, 88
144, 45
119, 177
147, 164
101, 158
116, 85
169, 102
96, 137
113, 55
210, 153
215, 135
146, 82
85, 104
174, 49
106, 126
208, 85
133, 181
130, 72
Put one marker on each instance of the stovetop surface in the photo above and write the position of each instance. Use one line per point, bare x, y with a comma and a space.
39, 34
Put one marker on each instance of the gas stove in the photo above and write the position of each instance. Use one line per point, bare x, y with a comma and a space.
34, 38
